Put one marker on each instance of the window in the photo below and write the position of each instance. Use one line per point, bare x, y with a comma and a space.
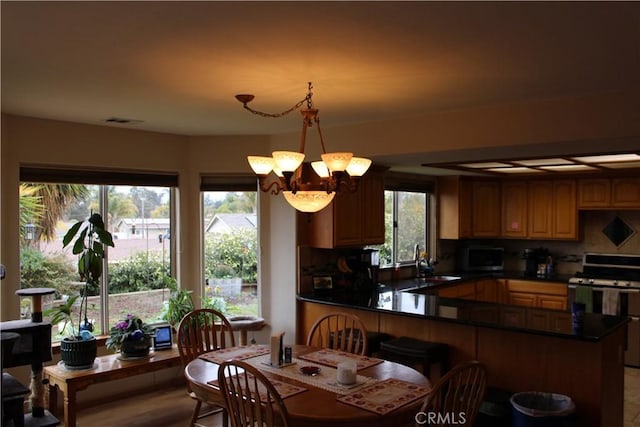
138, 271
230, 244
406, 225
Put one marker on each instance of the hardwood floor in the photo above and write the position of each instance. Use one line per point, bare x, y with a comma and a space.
171, 407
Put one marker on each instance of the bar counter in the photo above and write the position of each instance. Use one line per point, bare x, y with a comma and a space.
405, 298
524, 348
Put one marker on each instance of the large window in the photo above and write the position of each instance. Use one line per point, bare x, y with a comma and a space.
138, 273
231, 252
406, 225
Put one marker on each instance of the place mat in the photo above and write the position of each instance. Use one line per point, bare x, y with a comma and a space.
385, 396
325, 379
284, 389
235, 353
330, 357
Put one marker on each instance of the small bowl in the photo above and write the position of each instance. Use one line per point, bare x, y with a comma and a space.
310, 370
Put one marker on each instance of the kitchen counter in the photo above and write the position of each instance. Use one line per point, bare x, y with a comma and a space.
414, 298
524, 348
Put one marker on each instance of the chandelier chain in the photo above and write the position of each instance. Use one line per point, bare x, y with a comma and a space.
299, 104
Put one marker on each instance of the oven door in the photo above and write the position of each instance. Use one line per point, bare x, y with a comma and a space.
629, 306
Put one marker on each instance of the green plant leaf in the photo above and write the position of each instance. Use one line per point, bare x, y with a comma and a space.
71, 233
78, 246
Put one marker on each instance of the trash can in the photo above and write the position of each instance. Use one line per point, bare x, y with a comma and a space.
536, 409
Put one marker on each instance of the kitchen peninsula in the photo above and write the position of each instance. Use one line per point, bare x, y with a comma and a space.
524, 348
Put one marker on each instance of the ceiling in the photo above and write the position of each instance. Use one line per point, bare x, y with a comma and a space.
176, 66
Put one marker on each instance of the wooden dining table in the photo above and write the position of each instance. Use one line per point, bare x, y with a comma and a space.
317, 406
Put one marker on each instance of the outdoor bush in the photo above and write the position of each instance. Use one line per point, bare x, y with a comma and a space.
139, 272
232, 254
52, 271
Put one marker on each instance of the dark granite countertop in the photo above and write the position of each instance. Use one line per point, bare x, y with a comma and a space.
412, 298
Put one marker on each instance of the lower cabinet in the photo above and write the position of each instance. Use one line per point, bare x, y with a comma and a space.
526, 293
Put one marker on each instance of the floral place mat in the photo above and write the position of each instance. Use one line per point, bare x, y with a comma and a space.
385, 396
284, 389
331, 358
325, 379
235, 353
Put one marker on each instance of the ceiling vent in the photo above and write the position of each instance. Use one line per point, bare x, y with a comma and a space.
122, 121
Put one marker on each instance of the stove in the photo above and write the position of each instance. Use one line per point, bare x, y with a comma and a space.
614, 270
614, 277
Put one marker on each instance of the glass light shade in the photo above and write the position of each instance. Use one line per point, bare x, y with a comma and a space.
261, 165
308, 201
288, 161
358, 166
277, 171
337, 162
321, 169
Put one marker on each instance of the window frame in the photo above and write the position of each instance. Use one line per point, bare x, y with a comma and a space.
104, 179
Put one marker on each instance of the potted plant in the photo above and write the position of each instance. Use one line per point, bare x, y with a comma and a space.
89, 238
130, 336
177, 306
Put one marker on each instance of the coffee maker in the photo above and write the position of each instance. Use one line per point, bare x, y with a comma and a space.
533, 258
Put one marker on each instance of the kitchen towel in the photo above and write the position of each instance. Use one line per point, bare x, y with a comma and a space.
610, 301
584, 294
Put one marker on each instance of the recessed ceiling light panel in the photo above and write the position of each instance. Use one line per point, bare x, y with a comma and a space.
565, 168
621, 165
515, 170
485, 165
608, 158
543, 162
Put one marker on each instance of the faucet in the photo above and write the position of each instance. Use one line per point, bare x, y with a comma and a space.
416, 258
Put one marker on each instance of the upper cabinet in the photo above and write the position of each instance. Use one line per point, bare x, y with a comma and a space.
485, 212
552, 210
454, 208
352, 219
537, 209
468, 209
614, 193
514, 209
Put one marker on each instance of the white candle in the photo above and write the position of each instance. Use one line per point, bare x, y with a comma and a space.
347, 372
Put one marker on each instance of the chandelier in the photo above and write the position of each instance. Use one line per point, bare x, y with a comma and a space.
336, 172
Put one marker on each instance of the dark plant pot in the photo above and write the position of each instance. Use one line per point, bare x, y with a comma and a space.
130, 348
78, 354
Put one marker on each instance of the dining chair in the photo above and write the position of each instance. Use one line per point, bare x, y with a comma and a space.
339, 331
201, 331
251, 399
456, 397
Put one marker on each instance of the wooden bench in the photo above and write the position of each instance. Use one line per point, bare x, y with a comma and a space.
106, 368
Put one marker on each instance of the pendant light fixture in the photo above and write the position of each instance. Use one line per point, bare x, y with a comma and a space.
337, 171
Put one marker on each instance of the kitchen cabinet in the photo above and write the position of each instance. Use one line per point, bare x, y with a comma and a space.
553, 210
454, 208
485, 213
537, 294
615, 193
625, 193
353, 219
468, 209
594, 193
466, 290
514, 209
487, 290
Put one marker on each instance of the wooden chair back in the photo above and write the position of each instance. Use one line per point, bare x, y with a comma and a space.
250, 398
457, 395
339, 331
201, 331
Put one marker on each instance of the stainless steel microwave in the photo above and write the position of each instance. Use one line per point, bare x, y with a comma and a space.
481, 258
